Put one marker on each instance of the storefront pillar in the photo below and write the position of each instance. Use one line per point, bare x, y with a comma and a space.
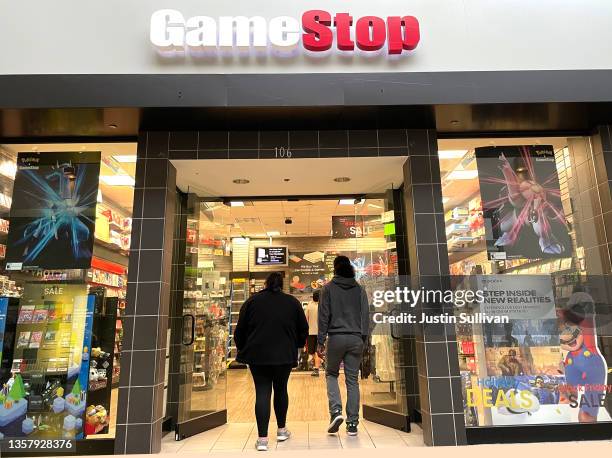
441, 402
143, 358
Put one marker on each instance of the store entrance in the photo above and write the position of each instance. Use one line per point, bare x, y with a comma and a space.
232, 243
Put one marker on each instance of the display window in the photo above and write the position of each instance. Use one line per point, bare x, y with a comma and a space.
526, 220
65, 224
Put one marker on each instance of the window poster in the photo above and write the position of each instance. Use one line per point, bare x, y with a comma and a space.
521, 202
53, 212
45, 396
542, 366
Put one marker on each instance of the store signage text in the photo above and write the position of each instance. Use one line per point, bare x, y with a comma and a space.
317, 32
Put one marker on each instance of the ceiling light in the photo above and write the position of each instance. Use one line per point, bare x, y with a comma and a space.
352, 201
125, 158
452, 153
112, 125
272, 233
241, 181
117, 180
8, 169
462, 175
445, 199
236, 203
374, 206
342, 179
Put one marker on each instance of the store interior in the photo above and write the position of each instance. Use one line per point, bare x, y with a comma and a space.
39, 338
233, 242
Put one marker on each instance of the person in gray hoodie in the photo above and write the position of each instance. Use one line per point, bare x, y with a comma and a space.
343, 330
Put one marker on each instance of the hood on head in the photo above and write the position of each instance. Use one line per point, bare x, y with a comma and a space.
345, 283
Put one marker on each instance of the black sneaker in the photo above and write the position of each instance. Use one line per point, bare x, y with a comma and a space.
335, 422
351, 428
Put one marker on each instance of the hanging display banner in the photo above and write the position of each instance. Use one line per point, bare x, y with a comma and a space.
307, 271
521, 202
53, 212
356, 226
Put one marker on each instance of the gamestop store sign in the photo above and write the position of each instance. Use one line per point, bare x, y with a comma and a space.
316, 31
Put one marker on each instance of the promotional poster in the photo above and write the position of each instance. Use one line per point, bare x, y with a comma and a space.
53, 212
307, 271
356, 226
521, 202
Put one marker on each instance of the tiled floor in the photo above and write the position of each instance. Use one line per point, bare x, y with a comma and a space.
235, 437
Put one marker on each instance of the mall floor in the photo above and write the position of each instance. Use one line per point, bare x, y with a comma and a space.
307, 419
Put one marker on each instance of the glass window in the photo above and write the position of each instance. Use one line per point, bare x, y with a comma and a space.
526, 220
65, 225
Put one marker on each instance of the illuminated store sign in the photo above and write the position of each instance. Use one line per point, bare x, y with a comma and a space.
316, 31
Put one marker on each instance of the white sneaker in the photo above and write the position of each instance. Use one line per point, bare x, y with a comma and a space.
261, 445
283, 434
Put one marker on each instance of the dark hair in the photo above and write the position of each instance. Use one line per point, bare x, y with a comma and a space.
315, 295
274, 282
343, 267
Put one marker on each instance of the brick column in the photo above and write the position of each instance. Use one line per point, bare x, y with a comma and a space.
441, 402
141, 386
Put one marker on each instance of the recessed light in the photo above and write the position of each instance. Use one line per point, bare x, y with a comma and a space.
125, 158
455, 122
117, 180
462, 175
272, 233
452, 153
445, 199
112, 125
286, 180
342, 179
354, 201
241, 181
236, 203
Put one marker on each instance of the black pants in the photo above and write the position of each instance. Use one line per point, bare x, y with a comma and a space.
266, 378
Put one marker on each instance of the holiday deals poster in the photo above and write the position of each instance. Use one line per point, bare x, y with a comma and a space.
53, 212
521, 202
544, 365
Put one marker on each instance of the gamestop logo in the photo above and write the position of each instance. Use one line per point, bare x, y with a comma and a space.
317, 31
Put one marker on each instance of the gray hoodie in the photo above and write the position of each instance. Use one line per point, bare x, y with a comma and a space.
343, 309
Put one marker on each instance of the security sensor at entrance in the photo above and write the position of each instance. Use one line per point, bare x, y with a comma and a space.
316, 31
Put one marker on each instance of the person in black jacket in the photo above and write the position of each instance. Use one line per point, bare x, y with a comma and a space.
270, 329
344, 321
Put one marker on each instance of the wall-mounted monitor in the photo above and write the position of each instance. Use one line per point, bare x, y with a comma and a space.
271, 256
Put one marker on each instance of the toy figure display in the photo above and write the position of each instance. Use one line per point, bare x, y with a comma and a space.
521, 202
45, 394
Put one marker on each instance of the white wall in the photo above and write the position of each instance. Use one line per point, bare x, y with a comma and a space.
112, 36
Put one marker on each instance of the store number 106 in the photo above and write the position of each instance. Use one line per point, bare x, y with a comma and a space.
282, 153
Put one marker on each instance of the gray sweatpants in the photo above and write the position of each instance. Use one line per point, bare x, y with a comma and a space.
345, 348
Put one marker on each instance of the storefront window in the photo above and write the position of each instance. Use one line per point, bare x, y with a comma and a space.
525, 221
65, 224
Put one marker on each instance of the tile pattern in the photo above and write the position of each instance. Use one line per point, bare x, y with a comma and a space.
441, 404
240, 437
301, 143
141, 385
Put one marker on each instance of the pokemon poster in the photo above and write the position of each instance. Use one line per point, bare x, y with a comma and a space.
521, 202
53, 212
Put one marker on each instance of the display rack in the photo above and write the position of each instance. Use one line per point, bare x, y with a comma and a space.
239, 294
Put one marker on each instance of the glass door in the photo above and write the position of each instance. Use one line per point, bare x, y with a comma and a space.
200, 388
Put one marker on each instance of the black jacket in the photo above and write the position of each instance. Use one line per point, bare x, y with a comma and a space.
271, 327
343, 309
